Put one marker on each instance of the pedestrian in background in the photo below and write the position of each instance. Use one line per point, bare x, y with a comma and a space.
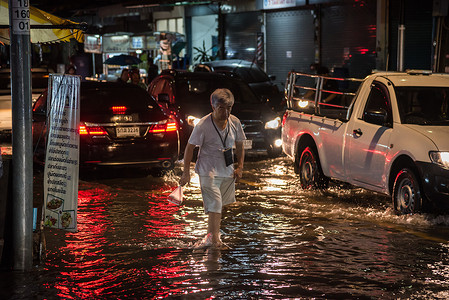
71, 70
153, 70
216, 134
135, 78
124, 76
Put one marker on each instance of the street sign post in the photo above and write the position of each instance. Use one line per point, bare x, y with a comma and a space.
22, 174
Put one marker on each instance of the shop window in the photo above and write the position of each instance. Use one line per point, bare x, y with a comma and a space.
170, 25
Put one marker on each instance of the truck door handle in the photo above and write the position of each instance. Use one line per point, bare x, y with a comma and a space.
357, 132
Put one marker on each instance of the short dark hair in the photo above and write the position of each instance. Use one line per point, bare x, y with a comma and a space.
221, 96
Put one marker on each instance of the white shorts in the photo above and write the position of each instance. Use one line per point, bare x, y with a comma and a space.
217, 192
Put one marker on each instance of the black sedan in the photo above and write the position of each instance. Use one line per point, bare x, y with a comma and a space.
120, 126
187, 94
261, 83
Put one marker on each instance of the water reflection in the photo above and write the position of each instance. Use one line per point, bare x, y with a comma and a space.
285, 243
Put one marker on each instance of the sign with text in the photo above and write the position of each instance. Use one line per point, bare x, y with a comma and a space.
275, 4
92, 43
62, 157
116, 43
20, 17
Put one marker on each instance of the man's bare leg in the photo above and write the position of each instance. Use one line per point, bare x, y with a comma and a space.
214, 223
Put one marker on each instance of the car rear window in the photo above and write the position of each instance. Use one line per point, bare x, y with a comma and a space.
98, 99
199, 90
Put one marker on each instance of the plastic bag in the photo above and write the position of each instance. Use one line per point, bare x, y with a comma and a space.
176, 196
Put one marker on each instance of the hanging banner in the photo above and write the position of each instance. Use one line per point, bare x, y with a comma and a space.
62, 158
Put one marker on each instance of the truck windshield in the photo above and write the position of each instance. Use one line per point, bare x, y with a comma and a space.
423, 105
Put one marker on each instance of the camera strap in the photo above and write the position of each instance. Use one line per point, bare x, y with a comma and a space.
221, 138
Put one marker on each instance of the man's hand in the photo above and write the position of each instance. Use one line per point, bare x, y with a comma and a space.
185, 178
238, 173
188, 154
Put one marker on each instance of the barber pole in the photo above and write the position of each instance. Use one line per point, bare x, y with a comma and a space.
260, 54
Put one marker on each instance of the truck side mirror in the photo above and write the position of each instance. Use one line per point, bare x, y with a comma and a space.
376, 116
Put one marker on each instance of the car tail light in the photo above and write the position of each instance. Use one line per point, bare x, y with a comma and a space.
119, 110
92, 130
165, 126
172, 126
284, 118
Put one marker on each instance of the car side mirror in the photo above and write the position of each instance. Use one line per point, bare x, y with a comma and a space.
376, 116
272, 77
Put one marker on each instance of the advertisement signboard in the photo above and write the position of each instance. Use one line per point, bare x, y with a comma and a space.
116, 43
276, 4
62, 157
138, 42
92, 43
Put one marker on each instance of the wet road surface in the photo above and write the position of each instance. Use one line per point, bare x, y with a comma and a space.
285, 243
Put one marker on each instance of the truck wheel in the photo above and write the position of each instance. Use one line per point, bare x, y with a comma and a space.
406, 192
310, 174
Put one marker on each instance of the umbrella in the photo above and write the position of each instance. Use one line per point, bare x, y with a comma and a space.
122, 60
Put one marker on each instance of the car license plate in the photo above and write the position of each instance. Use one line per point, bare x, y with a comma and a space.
127, 131
247, 144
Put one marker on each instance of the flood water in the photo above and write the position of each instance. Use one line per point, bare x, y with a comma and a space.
285, 244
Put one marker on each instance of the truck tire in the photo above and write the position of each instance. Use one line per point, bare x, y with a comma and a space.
310, 174
406, 192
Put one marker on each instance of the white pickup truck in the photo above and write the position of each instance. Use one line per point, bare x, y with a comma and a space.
390, 134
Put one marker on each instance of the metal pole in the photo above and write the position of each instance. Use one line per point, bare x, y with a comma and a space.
22, 174
221, 33
93, 65
401, 31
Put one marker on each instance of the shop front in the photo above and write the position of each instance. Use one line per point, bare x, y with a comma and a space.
141, 46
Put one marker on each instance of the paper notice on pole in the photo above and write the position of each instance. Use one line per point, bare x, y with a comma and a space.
62, 157
176, 196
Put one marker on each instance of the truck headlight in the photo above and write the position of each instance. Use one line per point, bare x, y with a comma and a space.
273, 124
192, 121
441, 158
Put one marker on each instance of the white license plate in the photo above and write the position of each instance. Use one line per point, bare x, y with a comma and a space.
127, 131
247, 144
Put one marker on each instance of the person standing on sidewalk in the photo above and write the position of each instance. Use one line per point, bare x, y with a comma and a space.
216, 134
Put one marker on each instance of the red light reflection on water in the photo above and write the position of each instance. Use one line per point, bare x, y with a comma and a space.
160, 220
113, 251
81, 261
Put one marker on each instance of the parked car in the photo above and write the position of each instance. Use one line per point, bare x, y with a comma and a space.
261, 83
120, 125
5, 122
187, 95
39, 80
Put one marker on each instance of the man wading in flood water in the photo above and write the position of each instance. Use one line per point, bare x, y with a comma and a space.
216, 134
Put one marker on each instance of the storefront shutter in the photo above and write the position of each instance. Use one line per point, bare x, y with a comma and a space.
418, 34
241, 35
349, 38
289, 43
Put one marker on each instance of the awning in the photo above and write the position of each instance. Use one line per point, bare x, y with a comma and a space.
54, 31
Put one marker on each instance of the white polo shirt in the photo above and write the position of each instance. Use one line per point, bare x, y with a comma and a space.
211, 160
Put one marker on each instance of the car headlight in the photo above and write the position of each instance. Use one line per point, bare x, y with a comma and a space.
273, 124
192, 121
441, 158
